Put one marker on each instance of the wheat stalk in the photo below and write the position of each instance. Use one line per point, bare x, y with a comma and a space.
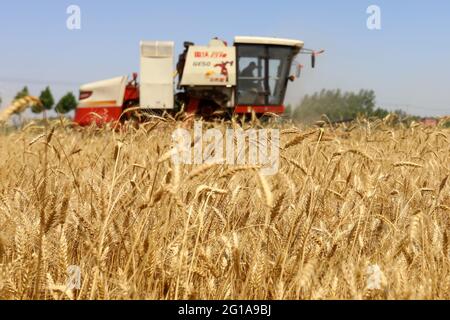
19, 106
141, 227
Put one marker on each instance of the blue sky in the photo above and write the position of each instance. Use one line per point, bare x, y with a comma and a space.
406, 63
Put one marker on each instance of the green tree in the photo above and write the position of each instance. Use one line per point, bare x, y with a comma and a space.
66, 104
288, 112
338, 106
22, 93
47, 100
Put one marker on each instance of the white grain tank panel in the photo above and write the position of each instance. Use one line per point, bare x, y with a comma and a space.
210, 66
157, 88
108, 92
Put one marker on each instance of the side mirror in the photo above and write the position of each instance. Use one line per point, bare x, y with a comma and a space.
314, 56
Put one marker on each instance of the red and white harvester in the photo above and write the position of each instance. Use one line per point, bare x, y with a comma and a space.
249, 77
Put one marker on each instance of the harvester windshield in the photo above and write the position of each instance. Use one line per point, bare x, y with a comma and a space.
263, 72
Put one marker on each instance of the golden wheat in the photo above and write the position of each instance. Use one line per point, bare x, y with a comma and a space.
18, 106
139, 227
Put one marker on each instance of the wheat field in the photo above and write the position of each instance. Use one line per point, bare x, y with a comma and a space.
346, 200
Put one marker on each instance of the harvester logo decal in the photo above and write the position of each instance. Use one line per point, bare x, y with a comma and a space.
224, 73
224, 69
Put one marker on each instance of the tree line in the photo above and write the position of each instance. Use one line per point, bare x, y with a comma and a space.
339, 106
66, 104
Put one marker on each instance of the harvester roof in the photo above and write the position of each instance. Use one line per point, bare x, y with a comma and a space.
269, 41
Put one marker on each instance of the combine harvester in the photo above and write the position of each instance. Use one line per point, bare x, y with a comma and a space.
249, 77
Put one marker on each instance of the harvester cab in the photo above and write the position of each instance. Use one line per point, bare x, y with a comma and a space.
249, 77
264, 66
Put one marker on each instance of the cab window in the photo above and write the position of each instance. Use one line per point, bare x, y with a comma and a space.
251, 77
262, 74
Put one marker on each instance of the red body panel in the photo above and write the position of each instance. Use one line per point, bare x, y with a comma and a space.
98, 115
131, 93
192, 106
260, 109
104, 111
